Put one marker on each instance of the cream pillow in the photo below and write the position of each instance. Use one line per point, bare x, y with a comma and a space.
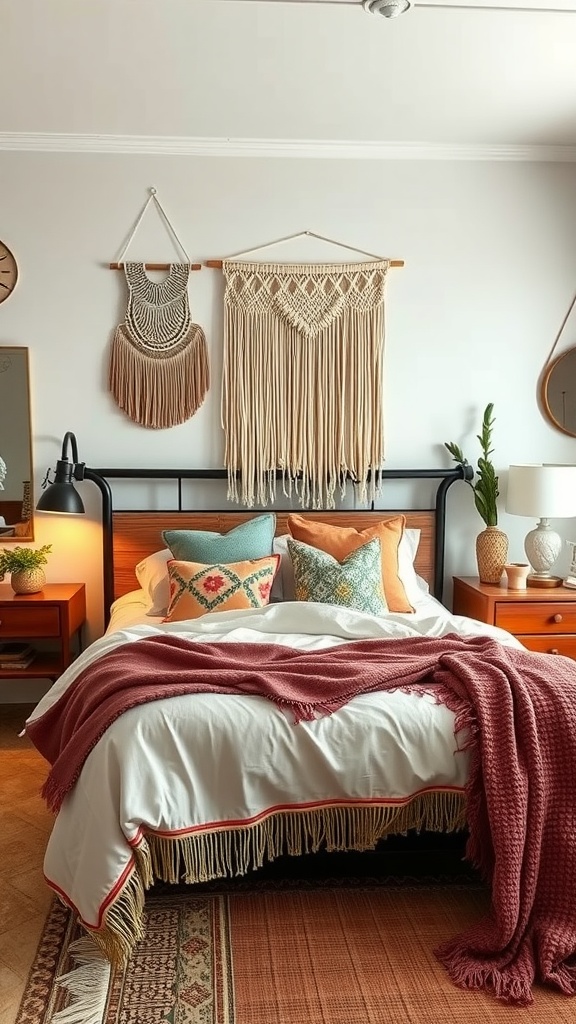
416, 588
152, 575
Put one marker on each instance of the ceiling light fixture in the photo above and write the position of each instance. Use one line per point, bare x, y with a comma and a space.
387, 8
393, 8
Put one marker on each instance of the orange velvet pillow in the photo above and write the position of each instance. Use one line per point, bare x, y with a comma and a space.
340, 541
196, 589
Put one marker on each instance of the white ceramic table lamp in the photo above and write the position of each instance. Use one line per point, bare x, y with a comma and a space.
542, 492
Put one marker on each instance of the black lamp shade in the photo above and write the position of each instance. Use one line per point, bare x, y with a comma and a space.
61, 497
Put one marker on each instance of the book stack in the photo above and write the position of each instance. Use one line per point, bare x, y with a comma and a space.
14, 655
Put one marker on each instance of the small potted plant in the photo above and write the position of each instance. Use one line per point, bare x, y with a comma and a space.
25, 567
492, 543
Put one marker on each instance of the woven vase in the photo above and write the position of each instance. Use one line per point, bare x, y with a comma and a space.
491, 554
28, 581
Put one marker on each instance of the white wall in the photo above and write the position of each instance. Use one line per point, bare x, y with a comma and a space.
490, 251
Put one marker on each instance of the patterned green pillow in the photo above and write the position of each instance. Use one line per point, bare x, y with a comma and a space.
356, 582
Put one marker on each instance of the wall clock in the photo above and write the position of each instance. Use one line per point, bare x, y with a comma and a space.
8, 272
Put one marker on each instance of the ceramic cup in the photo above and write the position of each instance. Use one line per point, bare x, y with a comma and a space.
517, 573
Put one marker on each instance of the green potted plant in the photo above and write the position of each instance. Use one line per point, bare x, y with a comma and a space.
492, 543
25, 568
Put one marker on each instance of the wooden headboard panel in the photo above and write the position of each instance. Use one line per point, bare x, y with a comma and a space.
138, 535
130, 535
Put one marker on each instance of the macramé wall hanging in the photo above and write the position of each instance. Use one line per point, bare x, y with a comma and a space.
158, 371
302, 377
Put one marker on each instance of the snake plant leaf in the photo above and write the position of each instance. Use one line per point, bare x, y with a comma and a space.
484, 483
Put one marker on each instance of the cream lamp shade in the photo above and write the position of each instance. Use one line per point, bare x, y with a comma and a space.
542, 492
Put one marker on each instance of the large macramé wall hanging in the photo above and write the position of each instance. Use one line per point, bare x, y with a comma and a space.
158, 370
302, 378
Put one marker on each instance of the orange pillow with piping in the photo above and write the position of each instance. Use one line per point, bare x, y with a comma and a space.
340, 541
196, 589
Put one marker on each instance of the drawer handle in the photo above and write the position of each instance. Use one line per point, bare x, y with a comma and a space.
557, 617
553, 650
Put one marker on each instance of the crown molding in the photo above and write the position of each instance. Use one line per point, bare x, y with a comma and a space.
312, 149
538, 6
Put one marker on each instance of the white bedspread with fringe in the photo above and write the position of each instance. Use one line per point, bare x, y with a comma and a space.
205, 785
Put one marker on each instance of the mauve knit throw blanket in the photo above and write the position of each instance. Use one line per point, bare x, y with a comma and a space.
515, 711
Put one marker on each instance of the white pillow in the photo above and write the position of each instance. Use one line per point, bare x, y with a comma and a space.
286, 574
152, 575
279, 548
416, 588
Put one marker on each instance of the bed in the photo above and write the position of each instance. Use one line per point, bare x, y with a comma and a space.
200, 785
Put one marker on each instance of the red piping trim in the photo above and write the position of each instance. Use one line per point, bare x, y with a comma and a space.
221, 826
118, 885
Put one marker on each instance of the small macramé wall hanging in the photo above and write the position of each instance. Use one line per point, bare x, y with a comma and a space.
302, 376
158, 371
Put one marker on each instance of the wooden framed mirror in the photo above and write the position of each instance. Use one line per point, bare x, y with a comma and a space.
16, 476
559, 392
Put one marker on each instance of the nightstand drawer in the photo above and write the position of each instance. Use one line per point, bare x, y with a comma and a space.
551, 644
50, 621
29, 620
534, 617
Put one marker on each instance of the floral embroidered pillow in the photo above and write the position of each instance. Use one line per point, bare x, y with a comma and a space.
355, 582
196, 589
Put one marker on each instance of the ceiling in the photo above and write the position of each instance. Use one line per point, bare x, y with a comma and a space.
290, 70
545, 6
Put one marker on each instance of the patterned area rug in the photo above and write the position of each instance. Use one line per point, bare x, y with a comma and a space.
282, 955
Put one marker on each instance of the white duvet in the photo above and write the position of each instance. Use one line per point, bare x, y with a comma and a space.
206, 760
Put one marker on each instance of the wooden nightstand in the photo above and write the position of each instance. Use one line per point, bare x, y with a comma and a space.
543, 619
51, 620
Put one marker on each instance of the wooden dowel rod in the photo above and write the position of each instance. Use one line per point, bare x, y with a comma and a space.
155, 266
217, 264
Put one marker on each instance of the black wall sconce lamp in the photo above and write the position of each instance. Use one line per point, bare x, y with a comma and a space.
60, 496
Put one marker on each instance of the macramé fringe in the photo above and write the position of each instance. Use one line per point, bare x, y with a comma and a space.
302, 380
228, 852
159, 389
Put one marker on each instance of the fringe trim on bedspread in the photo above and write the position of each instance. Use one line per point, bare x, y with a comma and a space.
228, 852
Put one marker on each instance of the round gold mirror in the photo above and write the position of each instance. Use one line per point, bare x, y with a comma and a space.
559, 392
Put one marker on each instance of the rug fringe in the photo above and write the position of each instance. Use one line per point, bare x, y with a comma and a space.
229, 852
87, 985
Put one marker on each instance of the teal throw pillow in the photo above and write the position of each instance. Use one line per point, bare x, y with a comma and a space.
252, 539
356, 582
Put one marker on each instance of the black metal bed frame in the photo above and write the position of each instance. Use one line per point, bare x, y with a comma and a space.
102, 476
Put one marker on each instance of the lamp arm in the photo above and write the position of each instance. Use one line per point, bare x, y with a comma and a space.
107, 546
78, 468
69, 439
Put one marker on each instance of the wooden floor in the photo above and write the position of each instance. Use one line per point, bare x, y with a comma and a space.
25, 825
24, 828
